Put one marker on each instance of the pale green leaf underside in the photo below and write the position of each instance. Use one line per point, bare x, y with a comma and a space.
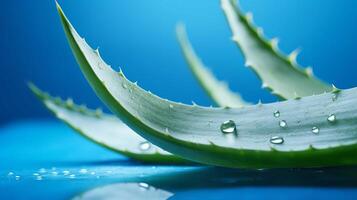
193, 132
279, 73
217, 90
132, 191
105, 130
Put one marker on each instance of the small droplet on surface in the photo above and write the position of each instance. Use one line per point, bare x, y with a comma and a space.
65, 172
42, 170
331, 118
38, 178
144, 186
17, 178
228, 127
283, 124
277, 140
36, 174
72, 176
144, 146
277, 113
315, 130
83, 171
10, 174
54, 173
167, 130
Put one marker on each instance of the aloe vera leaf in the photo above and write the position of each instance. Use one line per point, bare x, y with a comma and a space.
105, 130
193, 132
280, 74
217, 90
130, 191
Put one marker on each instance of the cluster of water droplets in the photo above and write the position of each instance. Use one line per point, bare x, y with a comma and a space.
229, 127
43, 173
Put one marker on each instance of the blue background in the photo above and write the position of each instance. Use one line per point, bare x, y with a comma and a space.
138, 35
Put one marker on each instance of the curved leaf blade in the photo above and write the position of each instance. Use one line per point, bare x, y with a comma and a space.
104, 129
279, 73
193, 132
217, 90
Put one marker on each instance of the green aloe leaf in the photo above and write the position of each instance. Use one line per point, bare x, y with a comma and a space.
217, 90
105, 130
279, 73
312, 131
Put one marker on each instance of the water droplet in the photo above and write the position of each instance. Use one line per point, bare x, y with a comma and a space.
65, 172
10, 174
277, 113
54, 173
315, 130
72, 176
276, 140
144, 146
144, 186
38, 178
36, 174
125, 86
17, 178
83, 171
228, 127
331, 118
42, 170
283, 124
334, 97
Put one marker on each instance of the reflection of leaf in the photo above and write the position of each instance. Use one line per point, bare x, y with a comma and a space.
257, 141
279, 73
217, 90
105, 130
125, 191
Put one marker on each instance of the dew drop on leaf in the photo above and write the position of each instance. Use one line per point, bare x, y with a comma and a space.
144, 146
276, 140
283, 124
331, 118
315, 130
276, 113
144, 186
228, 127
